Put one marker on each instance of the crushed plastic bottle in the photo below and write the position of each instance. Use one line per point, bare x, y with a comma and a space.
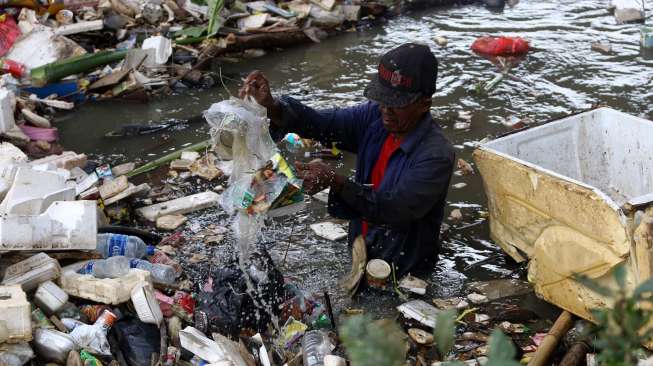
161, 273
119, 266
315, 345
111, 245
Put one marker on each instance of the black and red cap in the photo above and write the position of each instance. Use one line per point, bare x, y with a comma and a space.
404, 74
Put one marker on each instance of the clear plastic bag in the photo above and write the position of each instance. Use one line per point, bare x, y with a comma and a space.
260, 179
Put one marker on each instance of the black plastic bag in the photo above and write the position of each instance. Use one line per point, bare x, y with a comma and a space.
229, 307
137, 341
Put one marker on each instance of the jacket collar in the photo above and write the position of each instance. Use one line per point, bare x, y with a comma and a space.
414, 137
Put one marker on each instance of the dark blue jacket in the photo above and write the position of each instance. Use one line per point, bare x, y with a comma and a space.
406, 212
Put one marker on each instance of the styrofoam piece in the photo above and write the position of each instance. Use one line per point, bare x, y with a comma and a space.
113, 187
162, 48
130, 191
329, 230
112, 291
623, 170
7, 105
65, 160
179, 206
15, 314
146, 305
64, 225
32, 271
558, 195
10, 154
7, 175
50, 297
213, 351
41, 47
33, 191
421, 311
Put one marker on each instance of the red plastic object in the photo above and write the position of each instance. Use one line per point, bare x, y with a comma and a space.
186, 301
9, 31
16, 69
38, 133
500, 46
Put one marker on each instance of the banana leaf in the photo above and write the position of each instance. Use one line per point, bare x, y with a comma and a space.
168, 158
215, 21
57, 70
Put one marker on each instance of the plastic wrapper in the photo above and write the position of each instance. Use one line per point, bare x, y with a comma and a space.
91, 337
9, 32
137, 341
15, 354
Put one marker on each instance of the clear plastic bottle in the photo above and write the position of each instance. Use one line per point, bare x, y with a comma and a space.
315, 345
119, 266
161, 273
111, 245
107, 268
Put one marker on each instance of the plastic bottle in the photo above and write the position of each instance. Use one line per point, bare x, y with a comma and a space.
111, 245
161, 273
16, 69
107, 268
119, 266
315, 345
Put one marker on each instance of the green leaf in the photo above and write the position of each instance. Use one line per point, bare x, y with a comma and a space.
501, 350
593, 285
444, 332
643, 288
215, 21
620, 275
191, 32
368, 343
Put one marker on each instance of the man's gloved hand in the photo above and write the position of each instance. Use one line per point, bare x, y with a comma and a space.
317, 176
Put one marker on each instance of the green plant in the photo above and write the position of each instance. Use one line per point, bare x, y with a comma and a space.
501, 352
621, 330
371, 343
215, 21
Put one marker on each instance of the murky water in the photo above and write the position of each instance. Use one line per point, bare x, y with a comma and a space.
560, 76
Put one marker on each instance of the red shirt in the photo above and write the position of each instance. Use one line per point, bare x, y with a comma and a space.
390, 145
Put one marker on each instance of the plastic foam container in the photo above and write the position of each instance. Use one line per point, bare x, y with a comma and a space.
50, 297
15, 318
146, 305
32, 271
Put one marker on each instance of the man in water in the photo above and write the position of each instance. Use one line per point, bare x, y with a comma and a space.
397, 196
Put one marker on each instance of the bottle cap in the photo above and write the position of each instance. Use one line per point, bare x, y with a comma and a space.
150, 249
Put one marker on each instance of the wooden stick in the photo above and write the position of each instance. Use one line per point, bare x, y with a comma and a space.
550, 341
576, 355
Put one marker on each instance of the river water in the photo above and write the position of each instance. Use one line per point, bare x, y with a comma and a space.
561, 75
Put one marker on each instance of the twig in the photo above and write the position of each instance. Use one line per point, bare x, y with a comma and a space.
401, 295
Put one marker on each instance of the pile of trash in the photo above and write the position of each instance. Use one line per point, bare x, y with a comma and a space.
77, 291
56, 54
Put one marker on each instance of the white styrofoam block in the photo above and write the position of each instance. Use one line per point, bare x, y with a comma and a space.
64, 225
